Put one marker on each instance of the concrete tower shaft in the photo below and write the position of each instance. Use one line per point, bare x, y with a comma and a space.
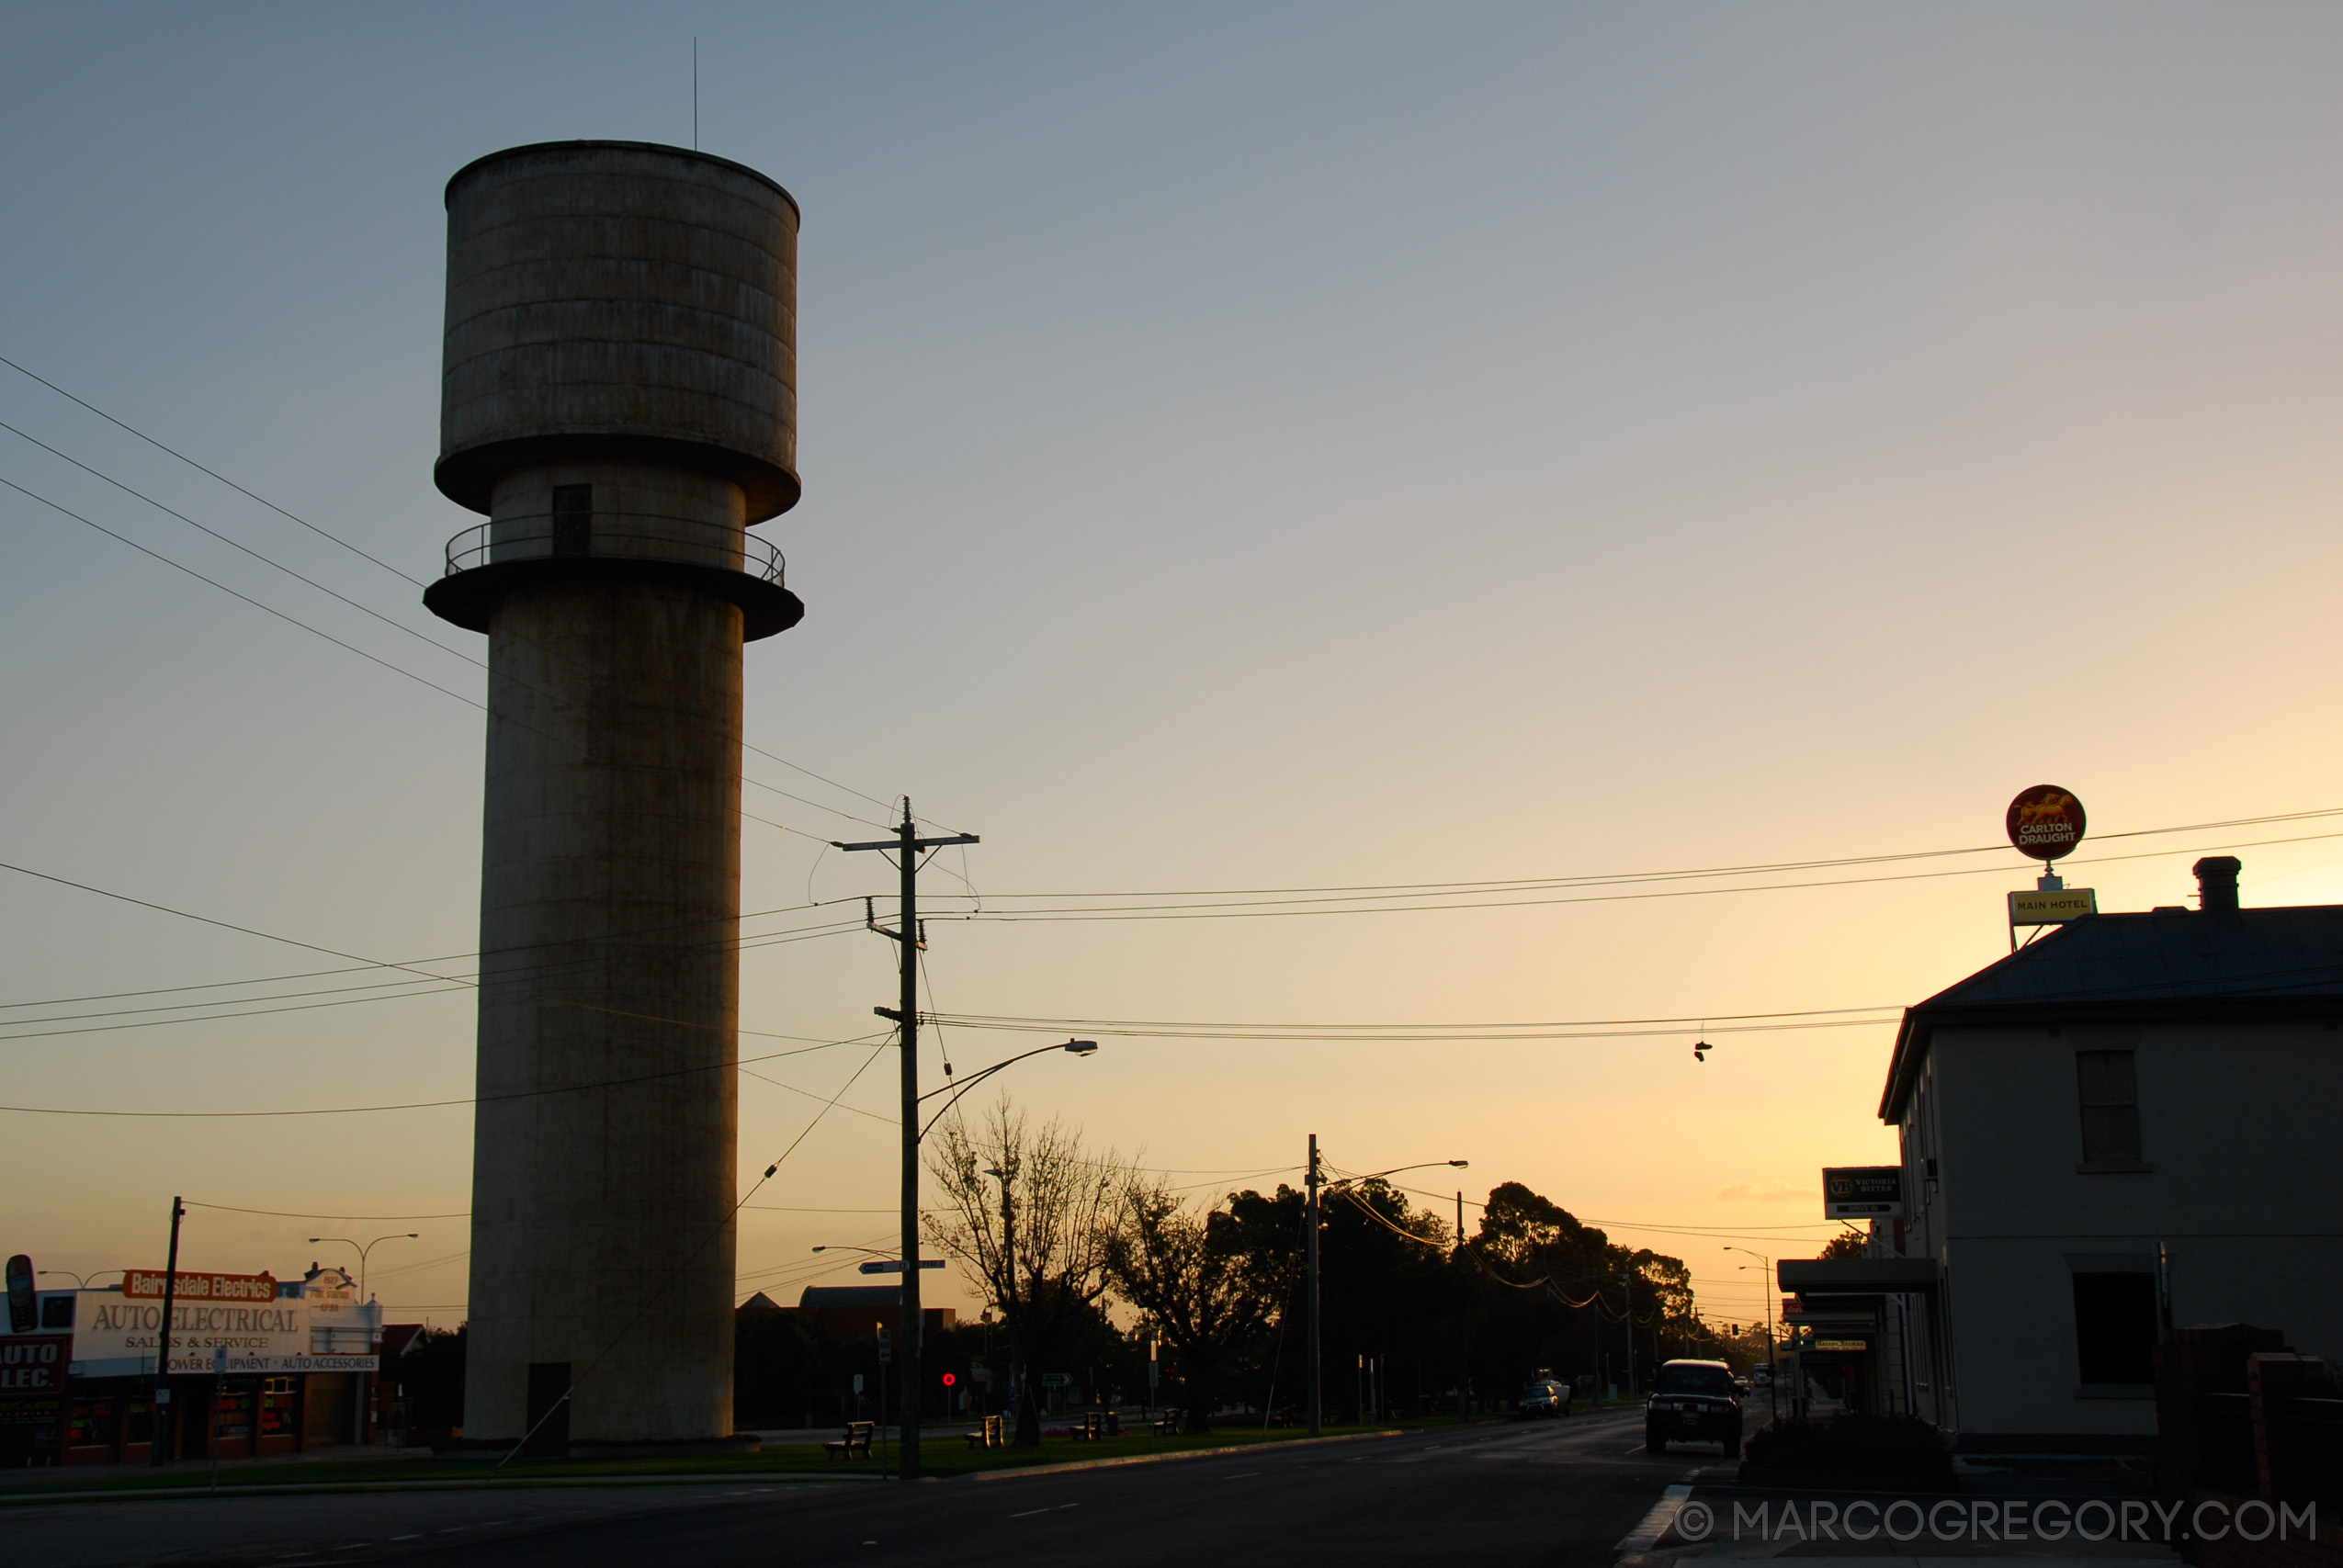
618, 399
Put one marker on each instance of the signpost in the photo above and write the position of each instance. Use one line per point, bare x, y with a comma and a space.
219, 1382
1863, 1192
2046, 822
886, 1354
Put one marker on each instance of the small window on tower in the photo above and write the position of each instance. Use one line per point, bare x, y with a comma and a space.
2110, 1105
572, 519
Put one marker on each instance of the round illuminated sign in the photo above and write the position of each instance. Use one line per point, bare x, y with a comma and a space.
949, 1380
2045, 822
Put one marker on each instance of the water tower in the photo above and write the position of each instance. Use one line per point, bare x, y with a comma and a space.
618, 400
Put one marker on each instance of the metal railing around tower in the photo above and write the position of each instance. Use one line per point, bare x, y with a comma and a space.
615, 536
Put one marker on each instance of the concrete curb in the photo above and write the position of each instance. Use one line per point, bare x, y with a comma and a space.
1278, 1446
452, 1484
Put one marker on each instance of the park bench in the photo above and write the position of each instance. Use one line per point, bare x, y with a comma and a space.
857, 1440
988, 1435
1169, 1424
1097, 1426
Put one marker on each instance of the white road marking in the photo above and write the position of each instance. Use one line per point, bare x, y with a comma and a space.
1029, 1513
417, 1536
1655, 1524
1244, 1475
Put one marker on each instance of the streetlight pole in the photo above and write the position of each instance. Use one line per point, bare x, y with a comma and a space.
1005, 1175
366, 1380
1772, 1352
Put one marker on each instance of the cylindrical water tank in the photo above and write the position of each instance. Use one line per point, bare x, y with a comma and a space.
617, 301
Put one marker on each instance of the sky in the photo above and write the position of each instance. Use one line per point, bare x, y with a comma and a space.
1245, 448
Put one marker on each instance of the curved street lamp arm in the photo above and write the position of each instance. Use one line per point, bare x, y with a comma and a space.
957, 1091
1376, 1174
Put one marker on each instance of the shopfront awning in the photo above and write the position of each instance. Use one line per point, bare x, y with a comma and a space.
1860, 1276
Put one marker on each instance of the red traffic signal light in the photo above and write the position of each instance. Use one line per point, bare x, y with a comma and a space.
949, 1380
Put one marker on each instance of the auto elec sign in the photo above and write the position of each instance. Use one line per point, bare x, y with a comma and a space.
34, 1363
2045, 822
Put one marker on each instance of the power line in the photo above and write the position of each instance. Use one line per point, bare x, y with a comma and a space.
363, 965
1760, 868
427, 1104
453, 984
288, 1214
1241, 910
376, 659
268, 609
372, 560
236, 545
223, 479
1408, 1033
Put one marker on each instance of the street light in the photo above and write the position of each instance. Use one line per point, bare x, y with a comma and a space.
369, 1246
80, 1280
1772, 1353
365, 1416
1314, 1185
1077, 1047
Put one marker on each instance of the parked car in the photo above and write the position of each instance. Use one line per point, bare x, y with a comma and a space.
1546, 1397
1745, 1386
1694, 1402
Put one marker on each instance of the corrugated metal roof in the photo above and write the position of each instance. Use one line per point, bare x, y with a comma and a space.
2133, 967
851, 1297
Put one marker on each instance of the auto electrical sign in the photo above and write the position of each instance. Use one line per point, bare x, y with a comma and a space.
1863, 1192
115, 1335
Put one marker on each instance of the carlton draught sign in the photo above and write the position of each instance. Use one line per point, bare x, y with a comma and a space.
2045, 822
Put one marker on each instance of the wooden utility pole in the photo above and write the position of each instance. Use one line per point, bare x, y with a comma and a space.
907, 845
159, 1405
1310, 1182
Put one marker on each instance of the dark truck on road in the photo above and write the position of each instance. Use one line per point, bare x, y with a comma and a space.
1694, 1402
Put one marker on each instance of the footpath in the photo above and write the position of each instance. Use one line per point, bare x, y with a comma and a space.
798, 1457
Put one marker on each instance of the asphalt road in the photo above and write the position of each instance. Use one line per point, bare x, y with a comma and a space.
1548, 1493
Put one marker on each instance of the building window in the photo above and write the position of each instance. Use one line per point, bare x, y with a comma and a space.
2110, 1105
572, 519
2115, 1327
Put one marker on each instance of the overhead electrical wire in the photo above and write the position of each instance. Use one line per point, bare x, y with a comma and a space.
387, 664
372, 560
1273, 909
424, 1104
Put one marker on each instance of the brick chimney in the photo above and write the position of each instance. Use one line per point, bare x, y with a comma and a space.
2217, 885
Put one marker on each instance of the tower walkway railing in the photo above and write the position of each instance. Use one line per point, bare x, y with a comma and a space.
615, 536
